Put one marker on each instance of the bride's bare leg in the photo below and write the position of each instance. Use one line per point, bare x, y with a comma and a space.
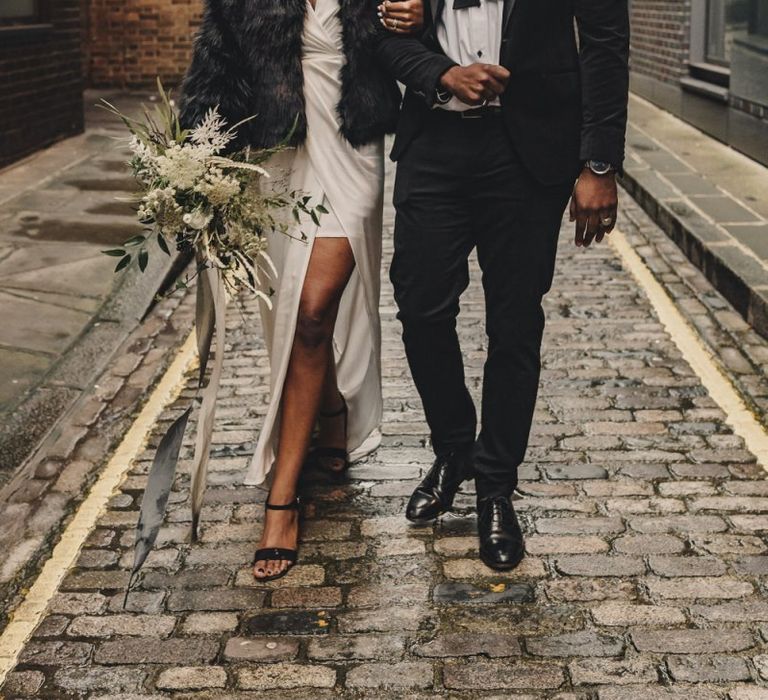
330, 267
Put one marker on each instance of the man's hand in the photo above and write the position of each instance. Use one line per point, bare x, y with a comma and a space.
477, 83
593, 206
402, 16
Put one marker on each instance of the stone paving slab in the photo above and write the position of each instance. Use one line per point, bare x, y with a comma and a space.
708, 198
646, 523
60, 209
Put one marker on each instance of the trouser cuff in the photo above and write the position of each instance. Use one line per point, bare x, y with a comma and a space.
486, 488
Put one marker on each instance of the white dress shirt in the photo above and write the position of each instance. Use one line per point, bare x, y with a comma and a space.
471, 35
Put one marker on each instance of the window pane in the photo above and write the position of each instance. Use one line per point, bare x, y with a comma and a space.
10, 9
758, 21
725, 19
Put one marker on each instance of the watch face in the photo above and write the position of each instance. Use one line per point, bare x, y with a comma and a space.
599, 167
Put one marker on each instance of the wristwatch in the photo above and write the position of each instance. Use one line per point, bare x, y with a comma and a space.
599, 167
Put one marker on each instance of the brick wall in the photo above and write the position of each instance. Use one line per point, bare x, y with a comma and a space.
131, 42
41, 82
660, 38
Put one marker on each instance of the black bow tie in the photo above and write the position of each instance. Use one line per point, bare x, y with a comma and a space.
461, 4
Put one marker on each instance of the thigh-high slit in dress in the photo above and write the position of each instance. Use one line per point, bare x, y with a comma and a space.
349, 182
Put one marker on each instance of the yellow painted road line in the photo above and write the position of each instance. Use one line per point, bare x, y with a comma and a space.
26, 617
696, 354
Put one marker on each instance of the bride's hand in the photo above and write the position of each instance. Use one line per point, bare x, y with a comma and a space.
402, 16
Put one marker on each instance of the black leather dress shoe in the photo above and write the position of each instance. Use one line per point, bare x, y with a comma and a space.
434, 495
501, 539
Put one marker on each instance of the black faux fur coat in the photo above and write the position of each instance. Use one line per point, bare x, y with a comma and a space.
247, 60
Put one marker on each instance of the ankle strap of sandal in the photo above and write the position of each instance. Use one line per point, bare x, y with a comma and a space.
294, 504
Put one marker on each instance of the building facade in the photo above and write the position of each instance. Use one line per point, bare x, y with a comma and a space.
706, 61
41, 75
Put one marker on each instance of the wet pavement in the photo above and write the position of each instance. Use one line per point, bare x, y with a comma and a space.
59, 209
645, 519
709, 198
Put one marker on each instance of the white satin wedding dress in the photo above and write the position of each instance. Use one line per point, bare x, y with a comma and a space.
349, 182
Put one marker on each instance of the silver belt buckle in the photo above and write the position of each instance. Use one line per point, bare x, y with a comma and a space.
467, 113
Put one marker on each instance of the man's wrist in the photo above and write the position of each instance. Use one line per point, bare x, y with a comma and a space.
437, 94
599, 167
445, 81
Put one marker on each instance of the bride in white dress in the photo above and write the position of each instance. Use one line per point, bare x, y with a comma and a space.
323, 332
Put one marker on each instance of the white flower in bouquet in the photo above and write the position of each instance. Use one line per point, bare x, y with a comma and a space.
159, 207
181, 166
219, 189
197, 219
211, 135
143, 160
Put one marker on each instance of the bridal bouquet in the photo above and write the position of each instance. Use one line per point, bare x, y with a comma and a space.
193, 197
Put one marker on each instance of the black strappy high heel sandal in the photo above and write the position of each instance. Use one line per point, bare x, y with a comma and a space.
277, 553
319, 454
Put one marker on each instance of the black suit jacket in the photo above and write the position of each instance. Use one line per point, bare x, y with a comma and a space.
566, 101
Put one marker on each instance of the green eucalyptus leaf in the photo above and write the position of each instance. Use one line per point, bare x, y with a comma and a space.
114, 252
143, 259
136, 240
123, 263
163, 244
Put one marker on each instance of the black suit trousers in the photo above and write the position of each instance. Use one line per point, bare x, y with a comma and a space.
460, 186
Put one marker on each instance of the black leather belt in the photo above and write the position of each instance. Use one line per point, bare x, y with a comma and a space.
474, 113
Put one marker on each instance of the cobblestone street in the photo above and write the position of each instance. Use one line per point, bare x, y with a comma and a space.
645, 519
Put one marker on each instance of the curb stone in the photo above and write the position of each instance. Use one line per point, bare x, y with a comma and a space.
36, 503
739, 276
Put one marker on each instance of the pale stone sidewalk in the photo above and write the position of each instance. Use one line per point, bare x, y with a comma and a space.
645, 520
63, 312
709, 198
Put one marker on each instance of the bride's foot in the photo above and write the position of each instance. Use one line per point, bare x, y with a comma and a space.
331, 449
276, 552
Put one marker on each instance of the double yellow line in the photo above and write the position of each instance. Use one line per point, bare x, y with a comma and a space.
696, 354
29, 613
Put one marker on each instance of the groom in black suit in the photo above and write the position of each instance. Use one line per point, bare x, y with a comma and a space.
508, 103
